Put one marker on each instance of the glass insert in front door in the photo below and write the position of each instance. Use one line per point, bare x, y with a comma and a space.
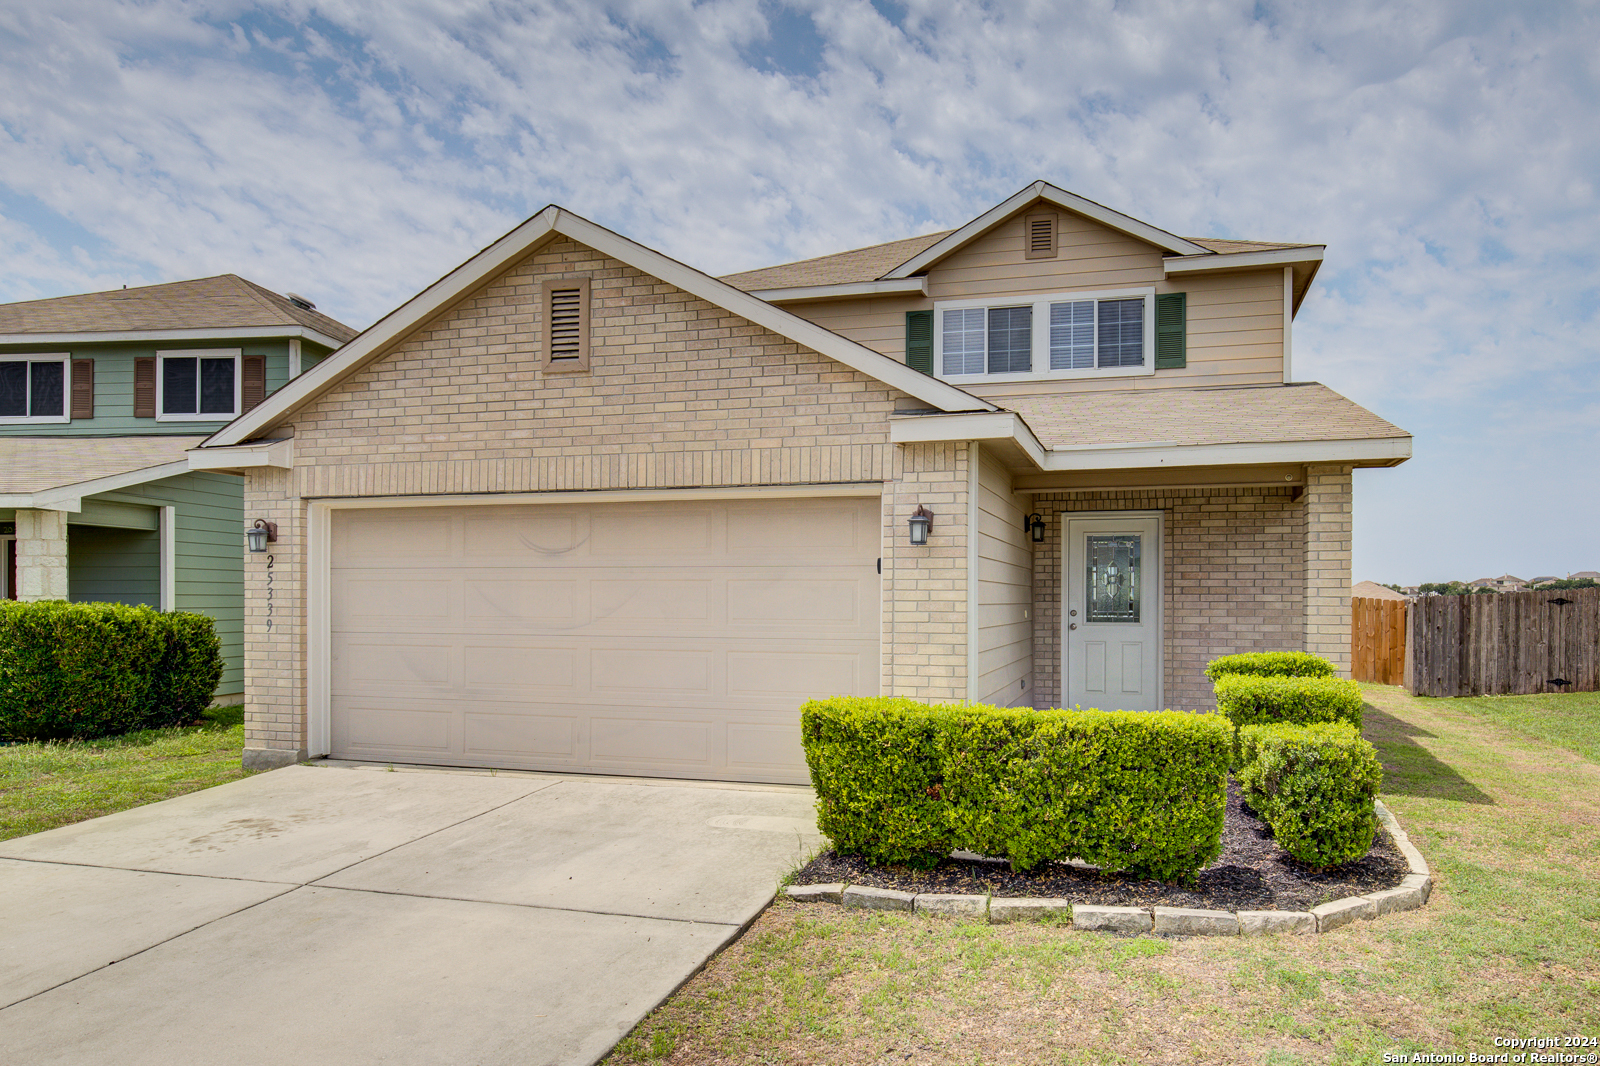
1111, 578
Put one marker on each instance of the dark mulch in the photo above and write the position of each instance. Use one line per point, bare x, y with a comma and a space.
1252, 873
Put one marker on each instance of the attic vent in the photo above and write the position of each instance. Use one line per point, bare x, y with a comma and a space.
566, 315
1039, 236
300, 301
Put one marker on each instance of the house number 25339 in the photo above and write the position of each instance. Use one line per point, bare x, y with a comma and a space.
269, 595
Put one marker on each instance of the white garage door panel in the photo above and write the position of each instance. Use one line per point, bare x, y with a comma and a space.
662, 638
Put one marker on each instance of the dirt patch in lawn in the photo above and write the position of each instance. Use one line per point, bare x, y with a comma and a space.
1252, 873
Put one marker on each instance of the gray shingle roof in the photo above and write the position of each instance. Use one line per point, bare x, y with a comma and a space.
33, 464
223, 302
1245, 414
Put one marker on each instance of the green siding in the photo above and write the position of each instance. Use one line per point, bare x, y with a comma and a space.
210, 554
113, 565
113, 385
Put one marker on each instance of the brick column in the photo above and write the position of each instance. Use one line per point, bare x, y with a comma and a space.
925, 589
41, 555
274, 626
1327, 599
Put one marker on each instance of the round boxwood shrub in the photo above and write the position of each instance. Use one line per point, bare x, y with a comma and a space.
79, 670
1270, 664
1314, 786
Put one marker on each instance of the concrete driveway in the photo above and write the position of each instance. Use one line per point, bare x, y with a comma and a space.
353, 915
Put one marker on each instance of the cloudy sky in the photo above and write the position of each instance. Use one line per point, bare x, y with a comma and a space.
355, 150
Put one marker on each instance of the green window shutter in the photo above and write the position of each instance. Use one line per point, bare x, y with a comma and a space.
1171, 316
919, 341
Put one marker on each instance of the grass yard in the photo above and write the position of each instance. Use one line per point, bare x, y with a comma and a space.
43, 786
1505, 807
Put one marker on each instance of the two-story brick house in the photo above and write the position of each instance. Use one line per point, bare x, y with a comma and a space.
101, 397
578, 506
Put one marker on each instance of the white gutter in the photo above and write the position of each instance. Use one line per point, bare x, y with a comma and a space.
917, 286
1194, 264
134, 335
70, 497
278, 454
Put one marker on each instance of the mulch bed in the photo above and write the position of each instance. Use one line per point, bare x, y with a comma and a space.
1252, 873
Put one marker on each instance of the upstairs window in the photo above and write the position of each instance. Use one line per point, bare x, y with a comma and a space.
197, 386
1066, 335
33, 388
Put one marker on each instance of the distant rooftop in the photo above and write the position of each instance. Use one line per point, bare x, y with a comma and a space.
223, 302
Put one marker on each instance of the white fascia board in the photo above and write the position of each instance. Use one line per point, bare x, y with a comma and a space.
1277, 257
140, 335
917, 286
977, 425
1043, 190
1117, 457
278, 454
70, 497
521, 242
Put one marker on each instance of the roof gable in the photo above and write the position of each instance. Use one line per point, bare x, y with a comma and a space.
548, 224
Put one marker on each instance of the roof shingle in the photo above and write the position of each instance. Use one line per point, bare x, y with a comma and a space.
34, 464
223, 302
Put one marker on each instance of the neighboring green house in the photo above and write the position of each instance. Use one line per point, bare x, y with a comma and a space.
101, 398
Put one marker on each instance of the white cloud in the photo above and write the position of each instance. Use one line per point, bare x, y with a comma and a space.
355, 150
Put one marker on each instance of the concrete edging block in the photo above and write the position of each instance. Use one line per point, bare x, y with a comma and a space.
877, 899
1422, 882
1343, 912
1261, 923
1112, 919
952, 906
1191, 921
833, 893
1404, 898
1027, 908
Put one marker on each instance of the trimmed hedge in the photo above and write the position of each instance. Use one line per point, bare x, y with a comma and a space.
904, 782
1270, 664
1245, 699
80, 670
1314, 786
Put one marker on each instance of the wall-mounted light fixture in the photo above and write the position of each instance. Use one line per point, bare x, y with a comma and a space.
260, 534
921, 522
1034, 524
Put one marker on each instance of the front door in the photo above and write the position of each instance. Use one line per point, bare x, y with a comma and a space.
1111, 612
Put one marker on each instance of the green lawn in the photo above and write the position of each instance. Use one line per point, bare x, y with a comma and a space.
47, 785
1507, 813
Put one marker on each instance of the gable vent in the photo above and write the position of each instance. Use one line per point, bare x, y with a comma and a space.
566, 315
1039, 236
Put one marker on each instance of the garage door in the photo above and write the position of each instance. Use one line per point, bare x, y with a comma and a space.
665, 639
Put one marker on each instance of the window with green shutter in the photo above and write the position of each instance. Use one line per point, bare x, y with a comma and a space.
1171, 316
919, 341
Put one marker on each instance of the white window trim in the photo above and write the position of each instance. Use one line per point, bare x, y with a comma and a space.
1041, 336
236, 354
65, 359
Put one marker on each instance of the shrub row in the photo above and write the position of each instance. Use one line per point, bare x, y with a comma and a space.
900, 781
1314, 786
80, 670
1270, 664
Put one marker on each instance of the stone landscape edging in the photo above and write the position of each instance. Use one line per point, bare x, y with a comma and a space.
1411, 894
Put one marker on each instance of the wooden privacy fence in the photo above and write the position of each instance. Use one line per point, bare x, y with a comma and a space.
1505, 644
1378, 640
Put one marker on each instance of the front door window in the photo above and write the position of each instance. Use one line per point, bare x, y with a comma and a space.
1111, 586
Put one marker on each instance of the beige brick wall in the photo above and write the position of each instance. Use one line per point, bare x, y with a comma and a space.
1327, 570
681, 394
925, 588
1234, 564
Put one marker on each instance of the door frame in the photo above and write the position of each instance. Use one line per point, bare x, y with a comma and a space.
319, 562
1158, 562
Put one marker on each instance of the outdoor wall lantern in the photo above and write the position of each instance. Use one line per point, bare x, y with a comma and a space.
921, 521
262, 533
1035, 525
